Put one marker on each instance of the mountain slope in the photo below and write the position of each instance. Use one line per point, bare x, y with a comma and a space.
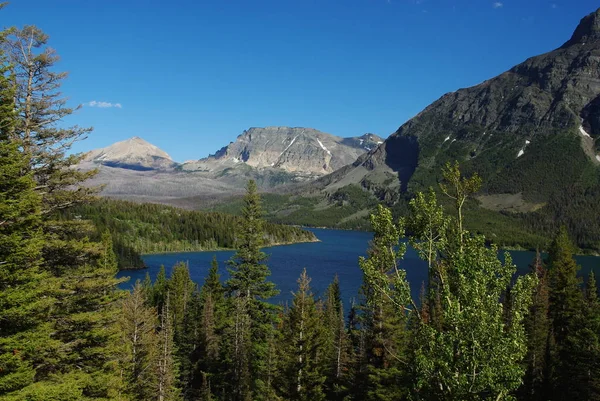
532, 130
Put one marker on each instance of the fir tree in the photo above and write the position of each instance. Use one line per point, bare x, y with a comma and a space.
41, 109
138, 324
23, 299
303, 373
337, 352
253, 314
166, 367
537, 326
566, 302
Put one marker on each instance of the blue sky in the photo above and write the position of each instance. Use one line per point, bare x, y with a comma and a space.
192, 75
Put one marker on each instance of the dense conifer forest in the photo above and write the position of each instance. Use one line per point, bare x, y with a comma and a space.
68, 333
150, 228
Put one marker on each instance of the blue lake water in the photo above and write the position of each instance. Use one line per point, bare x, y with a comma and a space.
336, 253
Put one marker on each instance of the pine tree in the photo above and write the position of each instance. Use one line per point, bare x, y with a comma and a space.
138, 324
23, 294
337, 352
566, 300
590, 336
303, 373
537, 326
77, 359
581, 351
185, 317
253, 314
212, 323
166, 367
41, 109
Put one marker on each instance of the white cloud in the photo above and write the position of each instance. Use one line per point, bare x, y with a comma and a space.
104, 105
498, 5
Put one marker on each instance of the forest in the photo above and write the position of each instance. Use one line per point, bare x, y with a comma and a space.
68, 333
138, 229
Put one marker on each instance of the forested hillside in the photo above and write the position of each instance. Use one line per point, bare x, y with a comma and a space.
150, 228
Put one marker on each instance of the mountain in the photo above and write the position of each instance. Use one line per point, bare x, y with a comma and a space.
273, 156
301, 152
134, 153
530, 132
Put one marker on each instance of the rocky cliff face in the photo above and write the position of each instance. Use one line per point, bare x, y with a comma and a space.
134, 153
530, 129
299, 151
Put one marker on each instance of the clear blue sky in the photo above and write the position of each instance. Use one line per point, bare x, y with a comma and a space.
192, 75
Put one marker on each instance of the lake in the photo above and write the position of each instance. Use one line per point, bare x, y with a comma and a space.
336, 253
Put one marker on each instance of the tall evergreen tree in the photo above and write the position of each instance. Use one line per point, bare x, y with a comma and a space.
41, 108
303, 348
23, 299
166, 366
537, 326
566, 300
138, 324
337, 344
209, 368
250, 288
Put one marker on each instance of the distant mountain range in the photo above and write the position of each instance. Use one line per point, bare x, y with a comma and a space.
531, 133
273, 156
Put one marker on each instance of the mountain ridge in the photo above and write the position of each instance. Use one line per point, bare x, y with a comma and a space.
498, 126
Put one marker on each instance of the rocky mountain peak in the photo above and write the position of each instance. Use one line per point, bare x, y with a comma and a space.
588, 30
298, 151
133, 153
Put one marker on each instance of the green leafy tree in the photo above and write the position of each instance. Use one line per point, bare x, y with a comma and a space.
458, 188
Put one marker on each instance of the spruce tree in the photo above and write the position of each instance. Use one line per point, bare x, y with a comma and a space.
138, 324
209, 368
24, 303
566, 300
41, 109
303, 370
537, 326
250, 289
337, 344
165, 365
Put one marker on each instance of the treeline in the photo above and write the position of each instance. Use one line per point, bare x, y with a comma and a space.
474, 334
150, 228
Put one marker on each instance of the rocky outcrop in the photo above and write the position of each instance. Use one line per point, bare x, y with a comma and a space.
299, 151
